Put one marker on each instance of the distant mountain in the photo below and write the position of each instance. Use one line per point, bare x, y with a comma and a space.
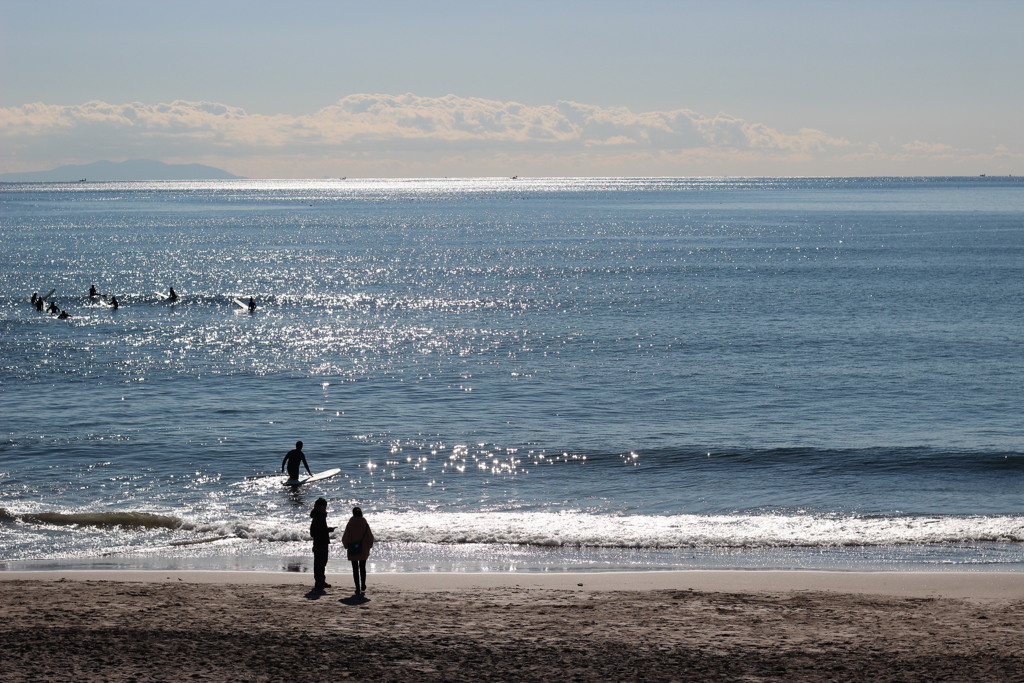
133, 169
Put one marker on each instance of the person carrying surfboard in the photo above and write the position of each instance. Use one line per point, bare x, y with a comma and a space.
293, 459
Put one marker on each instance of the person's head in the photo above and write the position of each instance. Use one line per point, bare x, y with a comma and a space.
357, 512
320, 504
298, 444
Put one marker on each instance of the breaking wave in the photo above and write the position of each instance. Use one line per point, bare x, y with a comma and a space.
104, 520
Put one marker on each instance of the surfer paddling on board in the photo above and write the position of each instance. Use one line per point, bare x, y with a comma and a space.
293, 459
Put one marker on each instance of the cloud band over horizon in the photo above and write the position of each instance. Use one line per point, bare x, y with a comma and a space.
409, 135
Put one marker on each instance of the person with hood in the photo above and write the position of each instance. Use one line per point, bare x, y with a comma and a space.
358, 539
321, 534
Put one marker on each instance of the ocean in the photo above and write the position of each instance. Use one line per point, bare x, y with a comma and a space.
517, 374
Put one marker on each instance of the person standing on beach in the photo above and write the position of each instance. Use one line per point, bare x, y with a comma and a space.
358, 539
321, 534
293, 459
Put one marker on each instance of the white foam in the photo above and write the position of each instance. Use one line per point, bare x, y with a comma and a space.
573, 529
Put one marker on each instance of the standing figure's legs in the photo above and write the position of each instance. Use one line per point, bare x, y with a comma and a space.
320, 565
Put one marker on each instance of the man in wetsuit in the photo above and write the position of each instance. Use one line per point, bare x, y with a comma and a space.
293, 459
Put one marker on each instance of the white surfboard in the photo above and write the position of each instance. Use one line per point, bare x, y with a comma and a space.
161, 295
48, 294
326, 474
241, 304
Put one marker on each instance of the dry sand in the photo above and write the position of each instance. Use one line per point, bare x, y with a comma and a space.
671, 626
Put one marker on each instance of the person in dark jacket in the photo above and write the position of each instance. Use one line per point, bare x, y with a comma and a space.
321, 534
358, 539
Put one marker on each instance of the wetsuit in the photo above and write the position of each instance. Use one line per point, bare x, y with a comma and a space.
293, 459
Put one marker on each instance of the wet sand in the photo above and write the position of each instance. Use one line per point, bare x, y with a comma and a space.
654, 626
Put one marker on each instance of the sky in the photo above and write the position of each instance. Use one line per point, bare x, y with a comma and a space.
396, 88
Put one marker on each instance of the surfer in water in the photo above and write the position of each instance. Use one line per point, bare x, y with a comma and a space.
92, 291
321, 534
252, 304
293, 459
358, 539
113, 302
173, 296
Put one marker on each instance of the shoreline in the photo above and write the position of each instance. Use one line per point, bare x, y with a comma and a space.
956, 585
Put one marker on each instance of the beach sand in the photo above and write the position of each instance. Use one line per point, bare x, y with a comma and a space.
653, 626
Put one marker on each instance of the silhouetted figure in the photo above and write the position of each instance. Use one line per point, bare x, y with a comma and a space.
358, 539
252, 304
40, 303
53, 310
293, 459
173, 296
113, 302
321, 534
92, 291
63, 315
35, 295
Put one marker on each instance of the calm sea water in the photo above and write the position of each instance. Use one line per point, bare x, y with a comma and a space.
543, 374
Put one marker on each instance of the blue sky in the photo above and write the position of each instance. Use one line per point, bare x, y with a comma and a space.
325, 89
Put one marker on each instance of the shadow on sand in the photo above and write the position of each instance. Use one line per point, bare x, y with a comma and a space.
355, 600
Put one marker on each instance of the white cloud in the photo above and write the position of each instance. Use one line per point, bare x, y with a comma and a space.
369, 134
927, 147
